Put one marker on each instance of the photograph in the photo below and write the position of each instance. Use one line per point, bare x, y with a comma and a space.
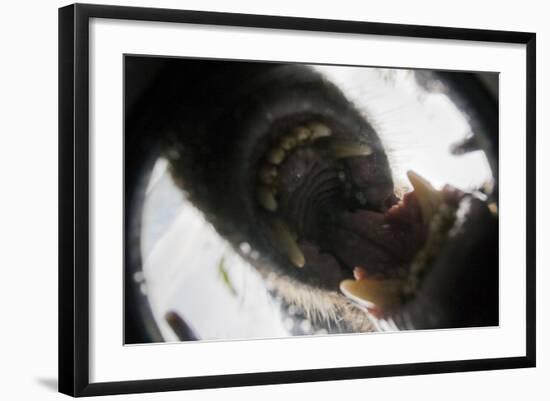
250, 199
267, 200
288, 200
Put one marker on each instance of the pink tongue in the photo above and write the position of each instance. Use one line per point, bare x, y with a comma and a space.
382, 243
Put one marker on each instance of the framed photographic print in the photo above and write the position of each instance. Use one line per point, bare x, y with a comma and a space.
251, 199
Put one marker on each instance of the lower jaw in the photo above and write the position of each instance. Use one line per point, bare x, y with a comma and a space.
339, 308
392, 260
376, 286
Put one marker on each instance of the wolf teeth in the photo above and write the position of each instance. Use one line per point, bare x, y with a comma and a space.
276, 155
267, 174
343, 149
298, 136
380, 294
289, 142
285, 241
429, 198
266, 198
319, 130
301, 134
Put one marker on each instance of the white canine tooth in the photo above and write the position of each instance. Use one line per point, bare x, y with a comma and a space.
373, 293
288, 142
429, 198
276, 156
301, 133
285, 240
343, 148
266, 197
268, 174
319, 130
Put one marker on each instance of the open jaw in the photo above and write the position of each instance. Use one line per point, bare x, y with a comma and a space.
288, 167
327, 205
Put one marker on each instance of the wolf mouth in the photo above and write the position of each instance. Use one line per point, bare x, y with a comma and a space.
326, 208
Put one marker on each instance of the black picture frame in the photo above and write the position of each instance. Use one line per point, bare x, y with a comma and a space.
74, 194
